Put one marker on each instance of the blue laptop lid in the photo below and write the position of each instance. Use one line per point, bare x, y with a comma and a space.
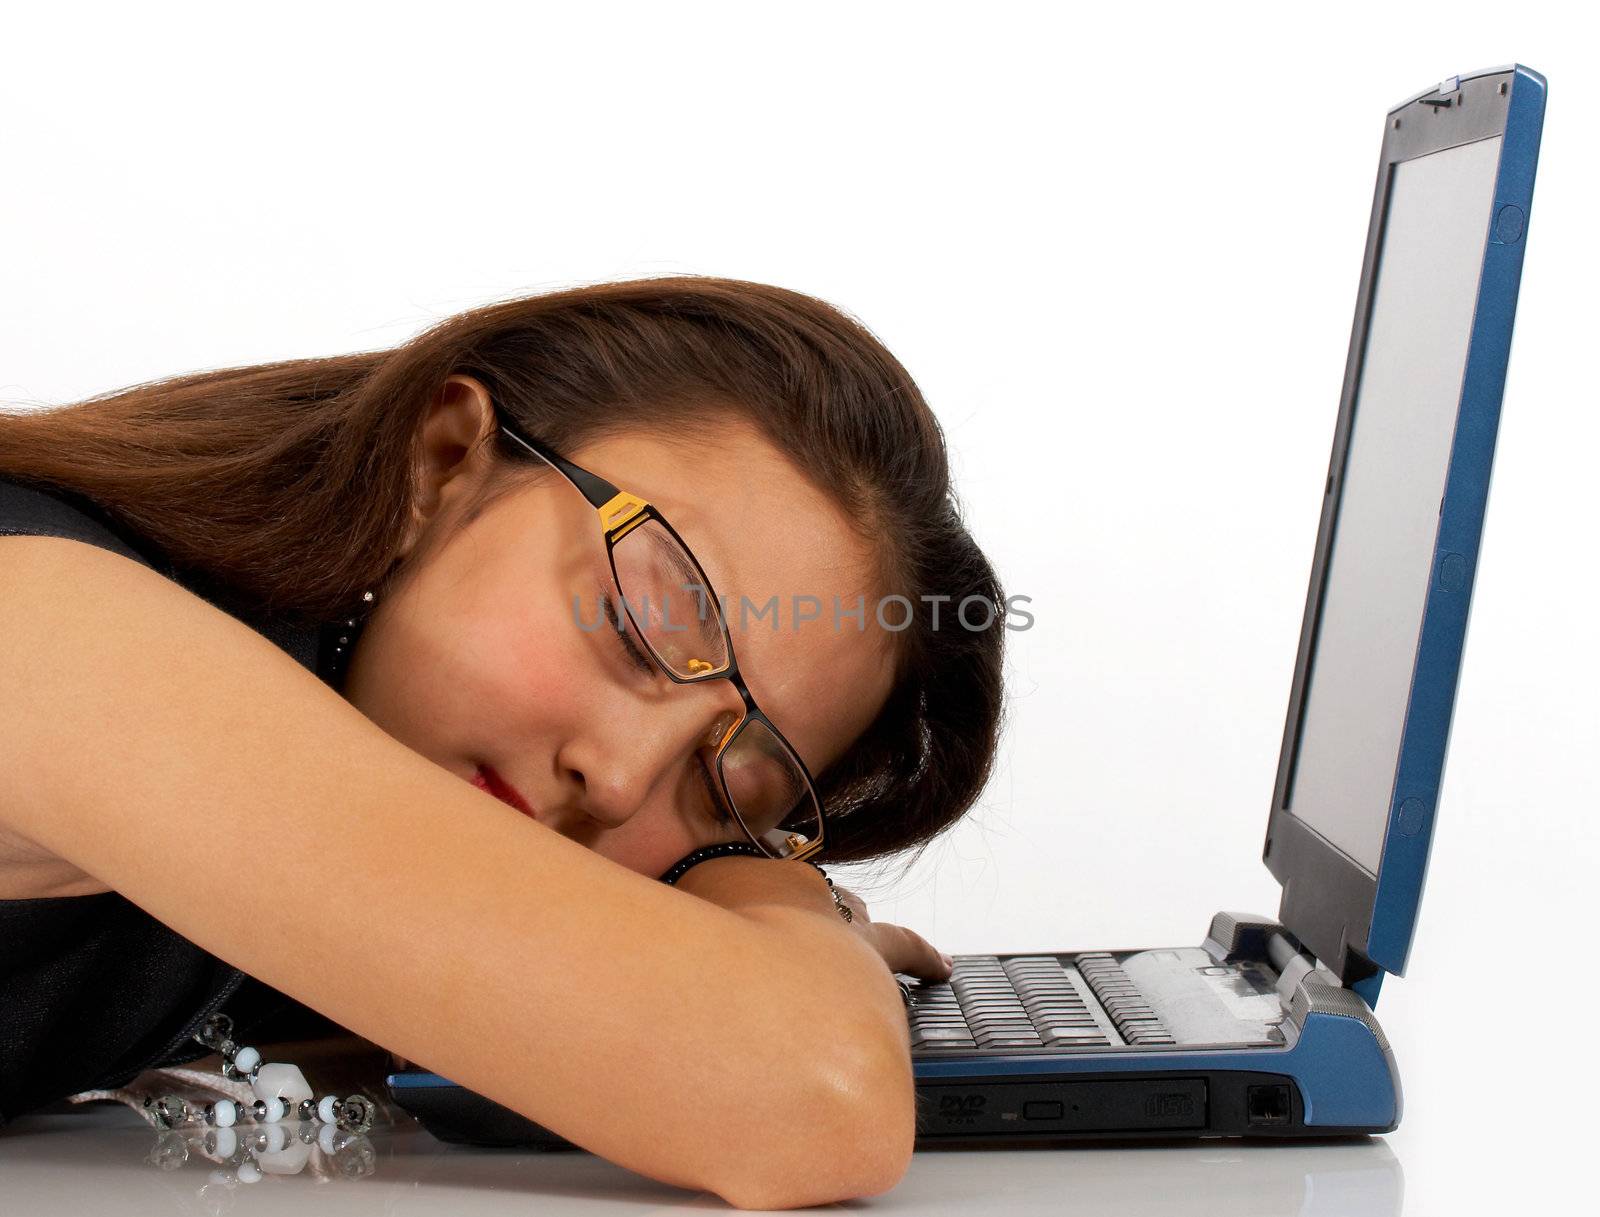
1386, 615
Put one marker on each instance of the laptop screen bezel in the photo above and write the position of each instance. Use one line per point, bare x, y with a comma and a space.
1356, 922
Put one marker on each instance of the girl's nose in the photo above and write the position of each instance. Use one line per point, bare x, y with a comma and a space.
625, 757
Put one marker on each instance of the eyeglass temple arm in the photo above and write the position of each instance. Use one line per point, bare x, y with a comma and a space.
596, 489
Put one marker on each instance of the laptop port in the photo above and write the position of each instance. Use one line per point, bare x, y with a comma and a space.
1268, 1104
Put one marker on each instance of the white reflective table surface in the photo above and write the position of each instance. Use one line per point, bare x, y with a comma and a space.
102, 1159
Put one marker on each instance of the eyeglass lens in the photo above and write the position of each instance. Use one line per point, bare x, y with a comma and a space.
667, 599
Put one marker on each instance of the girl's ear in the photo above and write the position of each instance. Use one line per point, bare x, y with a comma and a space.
454, 456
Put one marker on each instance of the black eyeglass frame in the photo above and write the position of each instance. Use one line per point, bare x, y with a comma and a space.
620, 513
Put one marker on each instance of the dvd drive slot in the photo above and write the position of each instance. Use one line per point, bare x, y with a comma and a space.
1124, 1105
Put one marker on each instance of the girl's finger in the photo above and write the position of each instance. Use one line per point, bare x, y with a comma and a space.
909, 952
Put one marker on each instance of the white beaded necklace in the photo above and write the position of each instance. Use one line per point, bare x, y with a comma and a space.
280, 1089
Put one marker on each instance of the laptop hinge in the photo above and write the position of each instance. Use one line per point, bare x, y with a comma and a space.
1235, 935
1290, 962
1293, 964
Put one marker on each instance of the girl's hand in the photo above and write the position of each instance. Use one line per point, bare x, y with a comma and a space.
902, 949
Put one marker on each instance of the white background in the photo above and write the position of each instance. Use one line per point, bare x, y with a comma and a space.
1118, 250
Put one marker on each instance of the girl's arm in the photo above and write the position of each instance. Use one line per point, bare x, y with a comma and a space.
165, 748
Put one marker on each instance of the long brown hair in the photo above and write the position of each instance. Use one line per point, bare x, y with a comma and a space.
291, 483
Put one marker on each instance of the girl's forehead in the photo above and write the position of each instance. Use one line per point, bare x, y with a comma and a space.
749, 516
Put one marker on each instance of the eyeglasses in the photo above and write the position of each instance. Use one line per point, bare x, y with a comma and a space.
674, 611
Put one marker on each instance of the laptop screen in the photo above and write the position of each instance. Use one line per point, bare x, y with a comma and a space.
1380, 564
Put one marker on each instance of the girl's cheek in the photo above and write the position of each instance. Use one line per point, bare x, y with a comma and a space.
558, 666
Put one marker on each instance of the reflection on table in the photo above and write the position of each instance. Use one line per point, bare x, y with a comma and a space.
103, 1159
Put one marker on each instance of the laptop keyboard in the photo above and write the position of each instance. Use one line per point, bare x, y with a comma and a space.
1033, 1001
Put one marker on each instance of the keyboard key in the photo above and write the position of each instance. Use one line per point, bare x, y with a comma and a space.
946, 1035
1032, 1041
1057, 1031
999, 1020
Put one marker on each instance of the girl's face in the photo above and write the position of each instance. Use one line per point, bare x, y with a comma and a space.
483, 651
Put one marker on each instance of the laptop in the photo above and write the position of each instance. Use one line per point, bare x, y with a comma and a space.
1266, 1028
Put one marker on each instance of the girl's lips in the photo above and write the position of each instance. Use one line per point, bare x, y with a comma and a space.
488, 780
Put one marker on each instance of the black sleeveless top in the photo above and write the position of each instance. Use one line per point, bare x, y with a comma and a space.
93, 989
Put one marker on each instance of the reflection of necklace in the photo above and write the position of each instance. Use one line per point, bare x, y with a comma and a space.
280, 1089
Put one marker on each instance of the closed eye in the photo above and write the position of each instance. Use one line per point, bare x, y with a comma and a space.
718, 808
630, 648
